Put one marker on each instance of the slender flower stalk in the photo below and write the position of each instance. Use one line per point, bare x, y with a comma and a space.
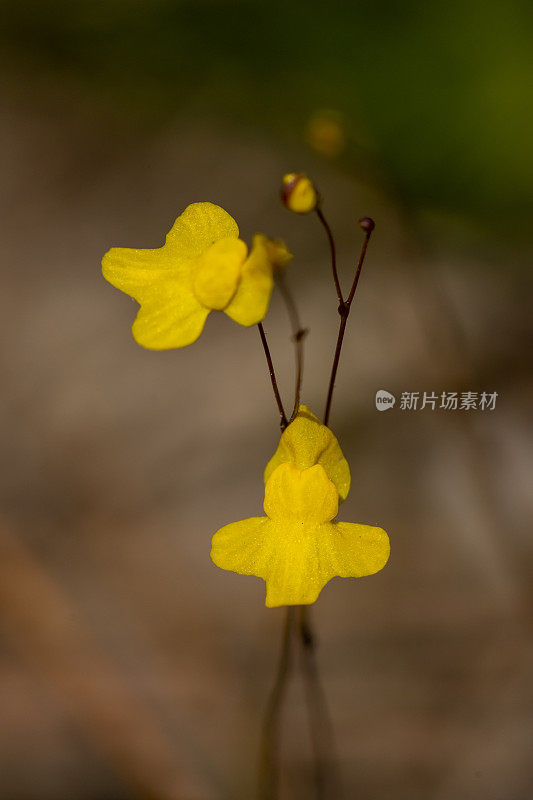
325, 768
367, 225
283, 419
298, 335
269, 768
331, 240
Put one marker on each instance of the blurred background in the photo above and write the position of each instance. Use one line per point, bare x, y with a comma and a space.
130, 667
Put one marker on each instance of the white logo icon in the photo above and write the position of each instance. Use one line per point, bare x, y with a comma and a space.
384, 400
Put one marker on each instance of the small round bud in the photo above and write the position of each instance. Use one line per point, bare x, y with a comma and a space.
298, 193
367, 224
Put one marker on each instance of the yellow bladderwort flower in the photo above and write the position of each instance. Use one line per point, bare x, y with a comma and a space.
306, 442
297, 548
203, 266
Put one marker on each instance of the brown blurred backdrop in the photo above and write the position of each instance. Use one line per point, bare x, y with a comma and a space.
130, 667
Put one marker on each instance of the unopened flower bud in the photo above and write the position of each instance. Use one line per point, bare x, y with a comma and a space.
367, 224
298, 193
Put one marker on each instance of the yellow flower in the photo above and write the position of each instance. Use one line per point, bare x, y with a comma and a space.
297, 548
306, 442
203, 266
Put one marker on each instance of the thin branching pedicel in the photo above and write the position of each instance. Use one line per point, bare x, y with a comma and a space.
367, 225
283, 418
298, 335
332, 250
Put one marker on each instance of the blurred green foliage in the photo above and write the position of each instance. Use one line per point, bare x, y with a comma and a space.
437, 95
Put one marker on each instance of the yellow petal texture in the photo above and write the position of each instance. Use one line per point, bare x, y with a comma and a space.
217, 271
306, 442
200, 225
172, 319
304, 497
134, 271
250, 303
296, 549
140, 273
161, 279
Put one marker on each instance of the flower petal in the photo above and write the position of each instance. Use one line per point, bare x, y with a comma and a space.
200, 225
352, 551
274, 552
306, 442
297, 565
240, 546
171, 317
307, 496
217, 271
136, 272
294, 573
250, 303
133, 270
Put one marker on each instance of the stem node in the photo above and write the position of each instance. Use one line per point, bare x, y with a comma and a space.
301, 334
